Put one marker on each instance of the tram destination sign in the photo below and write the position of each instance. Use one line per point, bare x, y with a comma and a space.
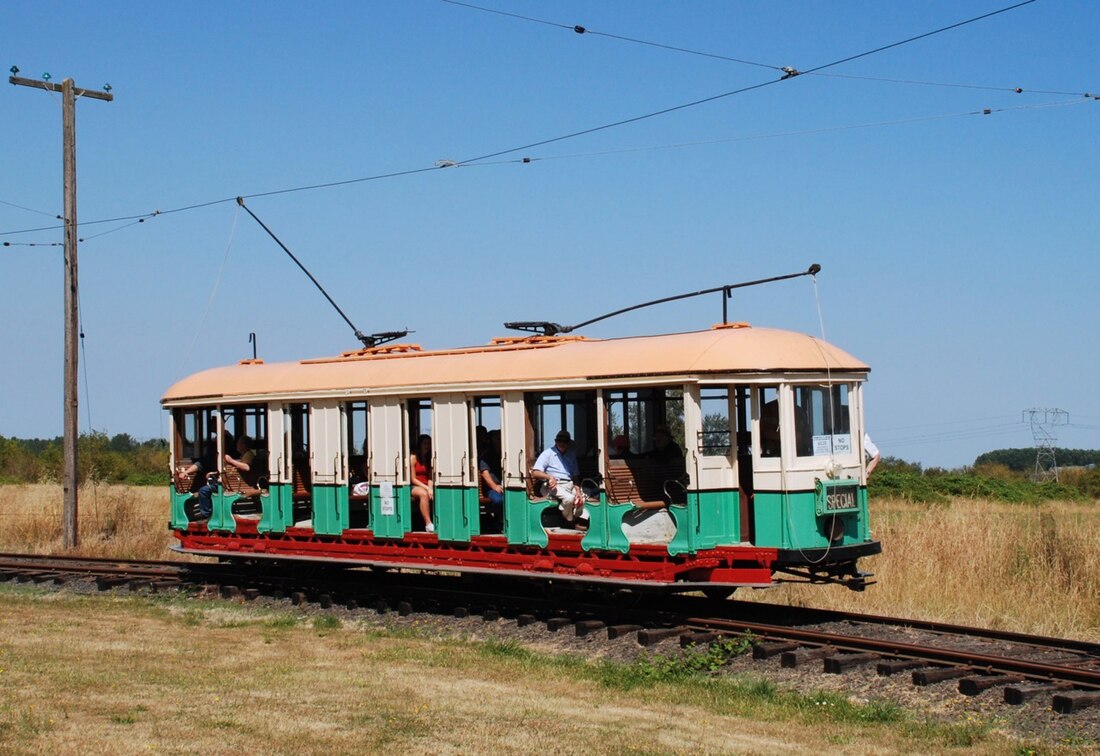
836, 496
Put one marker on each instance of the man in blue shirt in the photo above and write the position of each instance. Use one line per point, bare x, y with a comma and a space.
558, 466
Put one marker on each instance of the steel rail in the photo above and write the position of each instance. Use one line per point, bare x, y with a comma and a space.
977, 662
815, 616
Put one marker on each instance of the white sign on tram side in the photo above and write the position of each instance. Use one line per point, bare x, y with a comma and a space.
838, 444
385, 495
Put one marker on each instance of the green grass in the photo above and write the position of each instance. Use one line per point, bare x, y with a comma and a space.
695, 676
326, 623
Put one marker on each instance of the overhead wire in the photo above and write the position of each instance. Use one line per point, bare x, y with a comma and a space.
575, 156
213, 292
30, 209
83, 239
788, 74
803, 132
585, 30
579, 29
948, 422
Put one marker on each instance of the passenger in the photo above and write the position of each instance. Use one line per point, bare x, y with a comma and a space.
620, 448
872, 453
557, 465
489, 468
770, 440
420, 468
664, 450
243, 463
207, 465
361, 477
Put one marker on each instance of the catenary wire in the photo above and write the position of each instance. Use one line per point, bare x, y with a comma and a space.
30, 209
574, 134
568, 156
689, 51
585, 30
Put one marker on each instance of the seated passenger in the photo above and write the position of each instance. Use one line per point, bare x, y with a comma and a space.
488, 467
665, 450
360, 476
557, 465
420, 475
208, 465
243, 463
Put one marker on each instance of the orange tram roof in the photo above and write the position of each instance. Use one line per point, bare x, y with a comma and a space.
534, 360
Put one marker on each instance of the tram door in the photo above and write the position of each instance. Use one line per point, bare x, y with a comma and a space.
278, 505
717, 508
390, 508
299, 451
456, 504
741, 401
330, 505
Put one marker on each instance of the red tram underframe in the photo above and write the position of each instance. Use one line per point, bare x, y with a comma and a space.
562, 558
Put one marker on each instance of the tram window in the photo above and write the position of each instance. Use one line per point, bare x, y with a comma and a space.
420, 419
247, 420
714, 439
188, 433
197, 437
299, 431
822, 420
574, 411
356, 413
770, 434
486, 419
637, 414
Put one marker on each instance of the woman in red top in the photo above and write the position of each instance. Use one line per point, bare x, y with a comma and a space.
420, 474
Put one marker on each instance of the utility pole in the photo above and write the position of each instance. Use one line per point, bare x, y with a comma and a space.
69, 93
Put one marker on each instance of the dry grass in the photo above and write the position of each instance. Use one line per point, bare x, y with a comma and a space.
135, 675
1031, 568
115, 520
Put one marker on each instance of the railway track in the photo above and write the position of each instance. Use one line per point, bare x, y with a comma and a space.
1023, 666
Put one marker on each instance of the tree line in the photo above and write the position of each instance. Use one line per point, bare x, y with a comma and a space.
116, 459
1023, 460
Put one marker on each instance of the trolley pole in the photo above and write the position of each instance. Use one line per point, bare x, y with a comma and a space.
69, 93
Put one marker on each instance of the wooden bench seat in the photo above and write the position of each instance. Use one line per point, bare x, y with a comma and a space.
644, 483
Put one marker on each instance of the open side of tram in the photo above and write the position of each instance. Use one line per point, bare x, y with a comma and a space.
767, 473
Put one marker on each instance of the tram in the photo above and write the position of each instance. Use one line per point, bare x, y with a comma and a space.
767, 481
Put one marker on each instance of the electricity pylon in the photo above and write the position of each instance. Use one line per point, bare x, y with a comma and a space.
1044, 423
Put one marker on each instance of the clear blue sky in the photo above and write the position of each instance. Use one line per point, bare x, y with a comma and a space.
959, 252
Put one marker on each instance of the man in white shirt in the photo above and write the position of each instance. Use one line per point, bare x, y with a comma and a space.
871, 452
557, 465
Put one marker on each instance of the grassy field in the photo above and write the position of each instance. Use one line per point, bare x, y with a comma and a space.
129, 674
1027, 567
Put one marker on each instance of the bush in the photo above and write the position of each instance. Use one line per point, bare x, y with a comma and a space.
100, 459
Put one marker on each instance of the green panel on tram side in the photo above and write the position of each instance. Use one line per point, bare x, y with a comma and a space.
179, 518
790, 521
277, 509
707, 519
457, 514
330, 509
523, 518
390, 518
605, 526
222, 518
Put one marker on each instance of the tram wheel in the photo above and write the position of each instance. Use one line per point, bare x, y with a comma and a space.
718, 592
